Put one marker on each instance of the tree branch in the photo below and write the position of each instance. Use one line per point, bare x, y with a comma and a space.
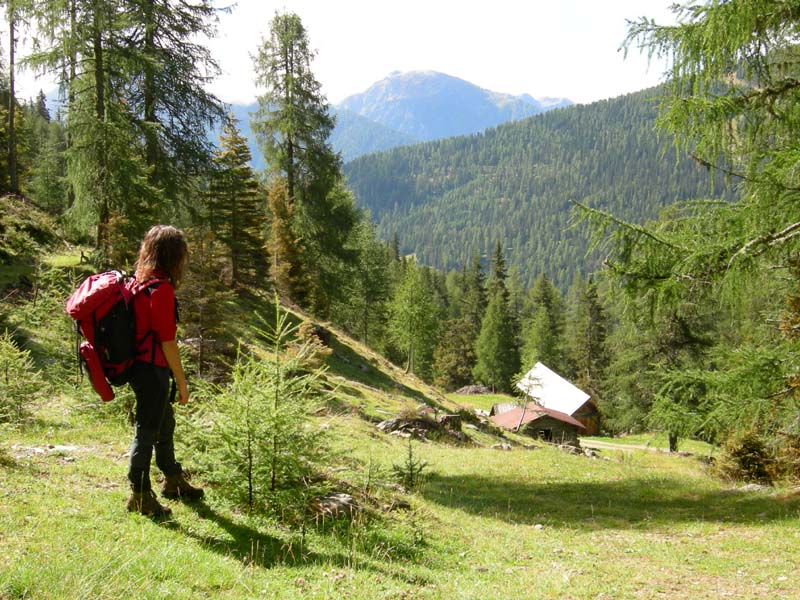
770, 239
624, 224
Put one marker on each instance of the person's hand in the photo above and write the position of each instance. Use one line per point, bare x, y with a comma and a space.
183, 392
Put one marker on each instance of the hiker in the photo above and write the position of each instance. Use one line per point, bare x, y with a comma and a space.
162, 256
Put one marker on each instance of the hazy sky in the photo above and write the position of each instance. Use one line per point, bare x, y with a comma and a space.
562, 48
565, 48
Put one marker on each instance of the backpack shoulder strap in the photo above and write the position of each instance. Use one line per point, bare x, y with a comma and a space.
147, 286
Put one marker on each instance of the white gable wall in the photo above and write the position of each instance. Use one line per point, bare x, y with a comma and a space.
552, 391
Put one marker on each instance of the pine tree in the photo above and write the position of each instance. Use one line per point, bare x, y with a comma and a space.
47, 183
235, 213
203, 299
331, 254
473, 304
497, 355
586, 333
287, 267
15, 10
499, 272
454, 357
370, 287
413, 322
543, 337
41, 106
516, 302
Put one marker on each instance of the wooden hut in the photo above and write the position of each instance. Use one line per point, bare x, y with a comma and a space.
548, 389
544, 423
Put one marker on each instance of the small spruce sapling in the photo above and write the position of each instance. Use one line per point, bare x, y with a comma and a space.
409, 473
270, 452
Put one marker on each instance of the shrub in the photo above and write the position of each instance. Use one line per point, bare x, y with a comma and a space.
19, 380
24, 231
787, 458
745, 457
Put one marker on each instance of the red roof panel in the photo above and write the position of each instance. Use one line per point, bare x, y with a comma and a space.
513, 419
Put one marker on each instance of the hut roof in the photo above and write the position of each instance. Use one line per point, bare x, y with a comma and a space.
549, 389
515, 418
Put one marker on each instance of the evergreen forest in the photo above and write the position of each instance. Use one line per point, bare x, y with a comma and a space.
643, 247
517, 183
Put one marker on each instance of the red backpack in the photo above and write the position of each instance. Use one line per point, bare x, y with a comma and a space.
102, 307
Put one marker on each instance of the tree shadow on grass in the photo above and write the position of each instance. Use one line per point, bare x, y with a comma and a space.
348, 363
252, 547
242, 542
628, 503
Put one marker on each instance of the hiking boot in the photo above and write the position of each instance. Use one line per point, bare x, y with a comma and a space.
146, 503
176, 486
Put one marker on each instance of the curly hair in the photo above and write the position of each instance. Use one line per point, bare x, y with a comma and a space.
163, 248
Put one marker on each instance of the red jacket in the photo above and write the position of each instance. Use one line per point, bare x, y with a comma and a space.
156, 320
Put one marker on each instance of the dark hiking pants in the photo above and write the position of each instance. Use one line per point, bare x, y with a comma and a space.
154, 426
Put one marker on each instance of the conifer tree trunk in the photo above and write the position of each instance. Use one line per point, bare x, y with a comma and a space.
12, 137
104, 215
151, 150
72, 62
366, 315
288, 74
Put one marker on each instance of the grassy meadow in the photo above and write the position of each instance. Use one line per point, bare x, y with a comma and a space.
484, 523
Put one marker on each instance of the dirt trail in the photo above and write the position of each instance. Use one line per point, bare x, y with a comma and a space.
612, 446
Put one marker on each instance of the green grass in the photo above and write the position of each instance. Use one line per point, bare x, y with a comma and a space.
10, 274
485, 524
482, 401
71, 258
660, 441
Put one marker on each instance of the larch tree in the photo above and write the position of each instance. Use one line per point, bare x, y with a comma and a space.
104, 161
731, 102
133, 76
168, 96
412, 322
293, 124
287, 263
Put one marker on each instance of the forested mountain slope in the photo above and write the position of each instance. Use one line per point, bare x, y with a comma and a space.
451, 198
408, 108
355, 135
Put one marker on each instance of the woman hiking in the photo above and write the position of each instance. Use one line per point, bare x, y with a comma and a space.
159, 268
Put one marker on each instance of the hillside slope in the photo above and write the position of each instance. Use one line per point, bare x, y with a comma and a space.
514, 184
355, 135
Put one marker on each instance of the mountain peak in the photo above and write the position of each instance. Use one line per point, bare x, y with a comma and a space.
430, 105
